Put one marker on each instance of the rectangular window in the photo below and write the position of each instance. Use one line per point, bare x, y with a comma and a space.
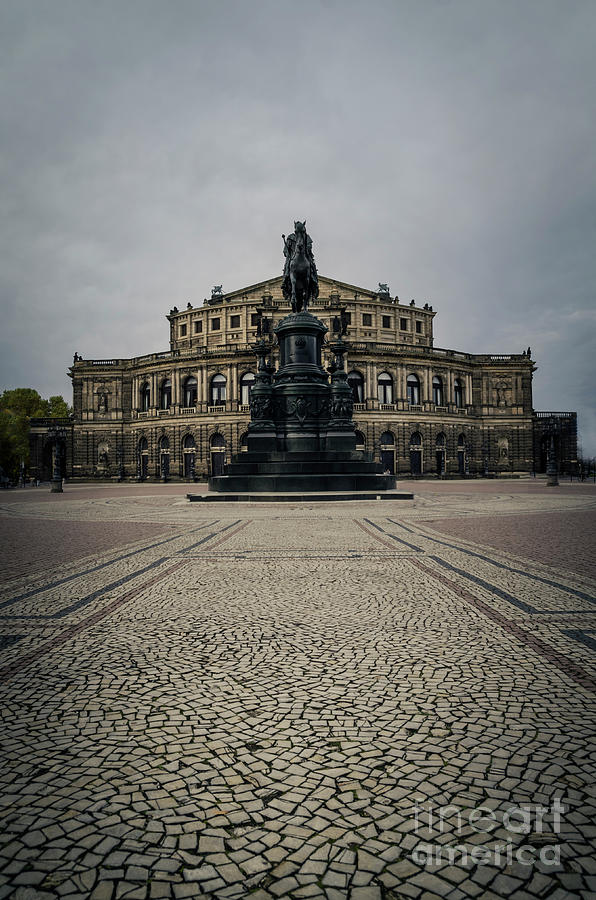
198, 326
418, 327
386, 321
215, 326
234, 321
367, 319
403, 324
348, 318
254, 319
183, 331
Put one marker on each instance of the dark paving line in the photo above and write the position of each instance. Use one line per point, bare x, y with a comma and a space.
18, 664
249, 555
504, 595
394, 537
499, 565
497, 591
68, 633
88, 598
89, 571
203, 540
374, 535
562, 662
582, 635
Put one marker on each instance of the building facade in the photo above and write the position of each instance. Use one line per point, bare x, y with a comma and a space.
419, 409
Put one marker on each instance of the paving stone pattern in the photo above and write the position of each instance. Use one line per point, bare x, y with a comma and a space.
264, 702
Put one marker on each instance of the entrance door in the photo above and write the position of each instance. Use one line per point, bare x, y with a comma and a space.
440, 462
189, 465
461, 462
388, 461
217, 462
416, 462
144, 465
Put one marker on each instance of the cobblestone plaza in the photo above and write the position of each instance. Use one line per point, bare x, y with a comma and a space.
354, 700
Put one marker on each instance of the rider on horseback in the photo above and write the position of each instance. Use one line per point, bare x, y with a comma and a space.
299, 243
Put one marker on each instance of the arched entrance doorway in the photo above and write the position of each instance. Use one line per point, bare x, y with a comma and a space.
218, 454
388, 452
416, 453
164, 458
441, 454
142, 459
461, 454
189, 450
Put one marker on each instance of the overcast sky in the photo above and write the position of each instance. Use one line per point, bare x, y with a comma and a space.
150, 150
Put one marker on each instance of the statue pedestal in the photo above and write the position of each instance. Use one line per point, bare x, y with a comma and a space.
301, 437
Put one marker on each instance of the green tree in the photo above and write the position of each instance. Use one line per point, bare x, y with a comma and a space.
17, 408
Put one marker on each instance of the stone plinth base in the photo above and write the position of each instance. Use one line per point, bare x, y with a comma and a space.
298, 497
302, 472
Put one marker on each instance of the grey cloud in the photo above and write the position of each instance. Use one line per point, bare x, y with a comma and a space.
152, 150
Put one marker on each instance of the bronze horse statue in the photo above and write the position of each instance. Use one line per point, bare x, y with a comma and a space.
300, 283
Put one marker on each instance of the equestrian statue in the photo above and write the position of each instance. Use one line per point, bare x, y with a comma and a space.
300, 282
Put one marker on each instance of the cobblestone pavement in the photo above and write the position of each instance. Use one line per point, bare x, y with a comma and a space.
352, 700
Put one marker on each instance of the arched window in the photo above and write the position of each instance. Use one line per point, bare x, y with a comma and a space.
437, 391
189, 393
244, 442
441, 439
387, 439
145, 396
143, 445
165, 394
356, 383
461, 441
189, 443
218, 440
385, 387
413, 390
246, 383
360, 441
218, 390
164, 444
458, 393
416, 439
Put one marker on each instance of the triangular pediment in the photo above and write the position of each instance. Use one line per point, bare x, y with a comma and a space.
327, 287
